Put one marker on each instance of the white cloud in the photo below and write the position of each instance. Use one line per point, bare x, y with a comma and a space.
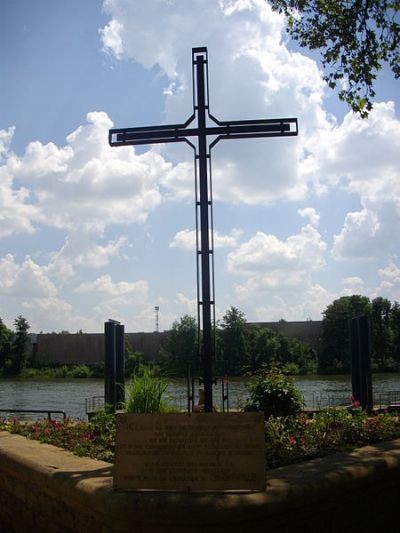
252, 75
5, 141
28, 280
27, 289
16, 211
308, 304
363, 157
81, 250
83, 185
272, 262
389, 286
311, 214
105, 285
280, 272
186, 239
188, 305
359, 231
353, 285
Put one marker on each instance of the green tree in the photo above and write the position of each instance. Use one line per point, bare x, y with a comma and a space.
335, 355
133, 360
19, 345
180, 349
355, 37
301, 357
263, 346
234, 341
5, 343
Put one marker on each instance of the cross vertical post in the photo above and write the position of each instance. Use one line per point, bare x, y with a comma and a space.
239, 129
207, 344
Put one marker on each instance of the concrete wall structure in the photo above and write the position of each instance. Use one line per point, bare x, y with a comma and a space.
46, 489
88, 348
308, 331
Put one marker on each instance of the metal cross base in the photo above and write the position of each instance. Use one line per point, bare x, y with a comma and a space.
239, 129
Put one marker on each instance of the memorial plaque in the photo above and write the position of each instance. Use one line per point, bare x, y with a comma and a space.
190, 452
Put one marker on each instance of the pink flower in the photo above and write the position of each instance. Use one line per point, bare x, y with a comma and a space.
354, 402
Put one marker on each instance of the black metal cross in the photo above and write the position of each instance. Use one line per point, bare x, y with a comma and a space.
239, 129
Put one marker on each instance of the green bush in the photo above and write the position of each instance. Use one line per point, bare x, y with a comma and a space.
80, 371
133, 360
60, 371
145, 392
274, 393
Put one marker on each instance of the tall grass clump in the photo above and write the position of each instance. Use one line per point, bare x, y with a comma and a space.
145, 392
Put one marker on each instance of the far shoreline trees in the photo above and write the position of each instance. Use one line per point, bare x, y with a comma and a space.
14, 346
241, 347
385, 333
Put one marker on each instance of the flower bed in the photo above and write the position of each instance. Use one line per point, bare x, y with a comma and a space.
287, 439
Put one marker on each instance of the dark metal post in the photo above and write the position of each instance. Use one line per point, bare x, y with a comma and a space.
360, 345
109, 364
120, 364
355, 359
206, 350
365, 363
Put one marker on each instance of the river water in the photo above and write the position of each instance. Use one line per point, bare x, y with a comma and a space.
69, 395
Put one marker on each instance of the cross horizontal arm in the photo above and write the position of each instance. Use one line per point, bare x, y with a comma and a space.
254, 128
148, 134
224, 130
251, 129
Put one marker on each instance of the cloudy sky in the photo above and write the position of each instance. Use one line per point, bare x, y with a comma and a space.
89, 232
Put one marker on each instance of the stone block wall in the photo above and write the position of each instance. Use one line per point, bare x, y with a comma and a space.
46, 489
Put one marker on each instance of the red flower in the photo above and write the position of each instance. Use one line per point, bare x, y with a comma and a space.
292, 441
354, 402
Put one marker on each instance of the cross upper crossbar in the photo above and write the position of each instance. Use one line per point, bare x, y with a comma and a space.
207, 126
239, 129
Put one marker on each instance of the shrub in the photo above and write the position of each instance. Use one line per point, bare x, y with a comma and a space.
274, 393
81, 371
145, 392
133, 360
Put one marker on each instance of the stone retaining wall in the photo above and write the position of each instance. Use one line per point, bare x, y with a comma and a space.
46, 489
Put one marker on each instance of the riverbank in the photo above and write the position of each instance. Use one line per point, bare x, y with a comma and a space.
80, 371
83, 371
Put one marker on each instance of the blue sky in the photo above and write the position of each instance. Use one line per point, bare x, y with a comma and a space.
89, 233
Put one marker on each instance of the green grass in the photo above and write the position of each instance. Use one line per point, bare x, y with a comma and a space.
145, 392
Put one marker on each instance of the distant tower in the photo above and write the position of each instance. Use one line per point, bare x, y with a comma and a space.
157, 309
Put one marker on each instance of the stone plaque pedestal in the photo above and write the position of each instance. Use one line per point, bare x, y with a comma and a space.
196, 452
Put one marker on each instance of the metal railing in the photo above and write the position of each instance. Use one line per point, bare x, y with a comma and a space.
340, 398
93, 404
35, 411
313, 401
